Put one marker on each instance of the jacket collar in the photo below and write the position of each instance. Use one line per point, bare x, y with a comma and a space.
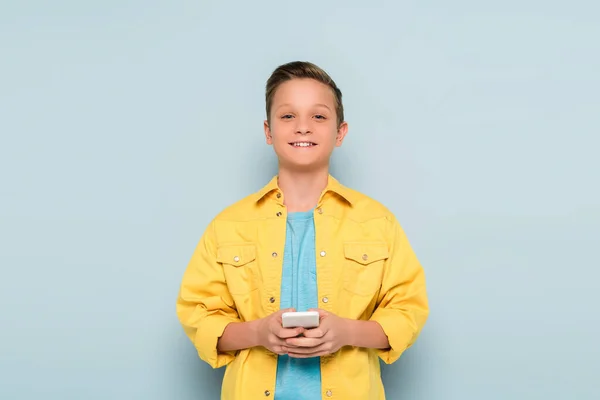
332, 186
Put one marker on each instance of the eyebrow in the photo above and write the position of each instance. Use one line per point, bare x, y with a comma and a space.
318, 105
323, 105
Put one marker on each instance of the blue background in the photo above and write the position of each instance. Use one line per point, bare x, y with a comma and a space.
125, 126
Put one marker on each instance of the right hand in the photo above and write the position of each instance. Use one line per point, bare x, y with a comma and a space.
272, 335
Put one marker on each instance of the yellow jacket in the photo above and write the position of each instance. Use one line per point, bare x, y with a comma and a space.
366, 270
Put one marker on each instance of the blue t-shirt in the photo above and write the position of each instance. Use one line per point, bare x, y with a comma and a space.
299, 378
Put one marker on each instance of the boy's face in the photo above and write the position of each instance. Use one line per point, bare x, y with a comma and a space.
303, 128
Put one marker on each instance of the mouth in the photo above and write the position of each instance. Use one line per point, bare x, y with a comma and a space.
302, 144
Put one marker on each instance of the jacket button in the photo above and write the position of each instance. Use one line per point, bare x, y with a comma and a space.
323, 253
279, 214
278, 195
267, 393
274, 254
236, 259
365, 257
328, 393
272, 299
325, 299
320, 210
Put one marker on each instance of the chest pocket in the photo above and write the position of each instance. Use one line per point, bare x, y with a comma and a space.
239, 267
363, 266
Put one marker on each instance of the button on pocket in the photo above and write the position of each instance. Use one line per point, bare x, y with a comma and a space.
363, 266
239, 267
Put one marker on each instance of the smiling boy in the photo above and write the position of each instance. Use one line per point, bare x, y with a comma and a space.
302, 242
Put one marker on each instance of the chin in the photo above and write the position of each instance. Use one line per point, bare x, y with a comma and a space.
304, 166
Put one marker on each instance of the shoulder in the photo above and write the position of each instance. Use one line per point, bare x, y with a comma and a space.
247, 208
233, 220
244, 209
366, 207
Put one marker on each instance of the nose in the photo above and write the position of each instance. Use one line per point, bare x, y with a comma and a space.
303, 127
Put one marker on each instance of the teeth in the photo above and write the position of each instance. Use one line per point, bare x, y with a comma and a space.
302, 144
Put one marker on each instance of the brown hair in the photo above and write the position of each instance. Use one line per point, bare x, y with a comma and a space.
300, 70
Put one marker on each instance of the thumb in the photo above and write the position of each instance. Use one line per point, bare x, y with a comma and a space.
322, 313
278, 314
286, 310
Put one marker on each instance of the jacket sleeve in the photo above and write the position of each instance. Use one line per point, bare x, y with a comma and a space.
403, 307
204, 304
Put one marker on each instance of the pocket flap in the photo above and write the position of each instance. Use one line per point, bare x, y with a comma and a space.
366, 253
236, 255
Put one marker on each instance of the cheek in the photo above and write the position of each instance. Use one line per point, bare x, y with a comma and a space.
279, 139
279, 142
330, 137
279, 132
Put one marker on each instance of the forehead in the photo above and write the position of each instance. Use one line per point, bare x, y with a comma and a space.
304, 91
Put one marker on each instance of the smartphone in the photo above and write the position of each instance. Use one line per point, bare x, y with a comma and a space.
304, 319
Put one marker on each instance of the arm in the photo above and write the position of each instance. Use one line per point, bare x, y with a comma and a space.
368, 334
396, 322
204, 305
334, 332
266, 332
403, 306
238, 336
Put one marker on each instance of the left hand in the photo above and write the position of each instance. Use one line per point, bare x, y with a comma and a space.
331, 334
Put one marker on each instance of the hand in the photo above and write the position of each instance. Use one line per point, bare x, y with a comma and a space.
331, 334
272, 335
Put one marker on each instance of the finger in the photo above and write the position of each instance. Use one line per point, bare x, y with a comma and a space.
280, 350
316, 332
286, 333
303, 342
318, 354
277, 345
308, 350
322, 313
298, 352
278, 314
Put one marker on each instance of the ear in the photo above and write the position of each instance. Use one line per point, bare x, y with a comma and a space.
341, 133
268, 135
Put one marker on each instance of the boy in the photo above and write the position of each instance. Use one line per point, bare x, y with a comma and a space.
303, 242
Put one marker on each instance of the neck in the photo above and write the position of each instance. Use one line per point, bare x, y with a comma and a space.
302, 189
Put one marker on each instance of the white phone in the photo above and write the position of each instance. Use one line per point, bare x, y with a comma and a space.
304, 319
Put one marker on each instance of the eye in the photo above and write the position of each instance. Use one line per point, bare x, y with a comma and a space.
319, 116
287, 116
